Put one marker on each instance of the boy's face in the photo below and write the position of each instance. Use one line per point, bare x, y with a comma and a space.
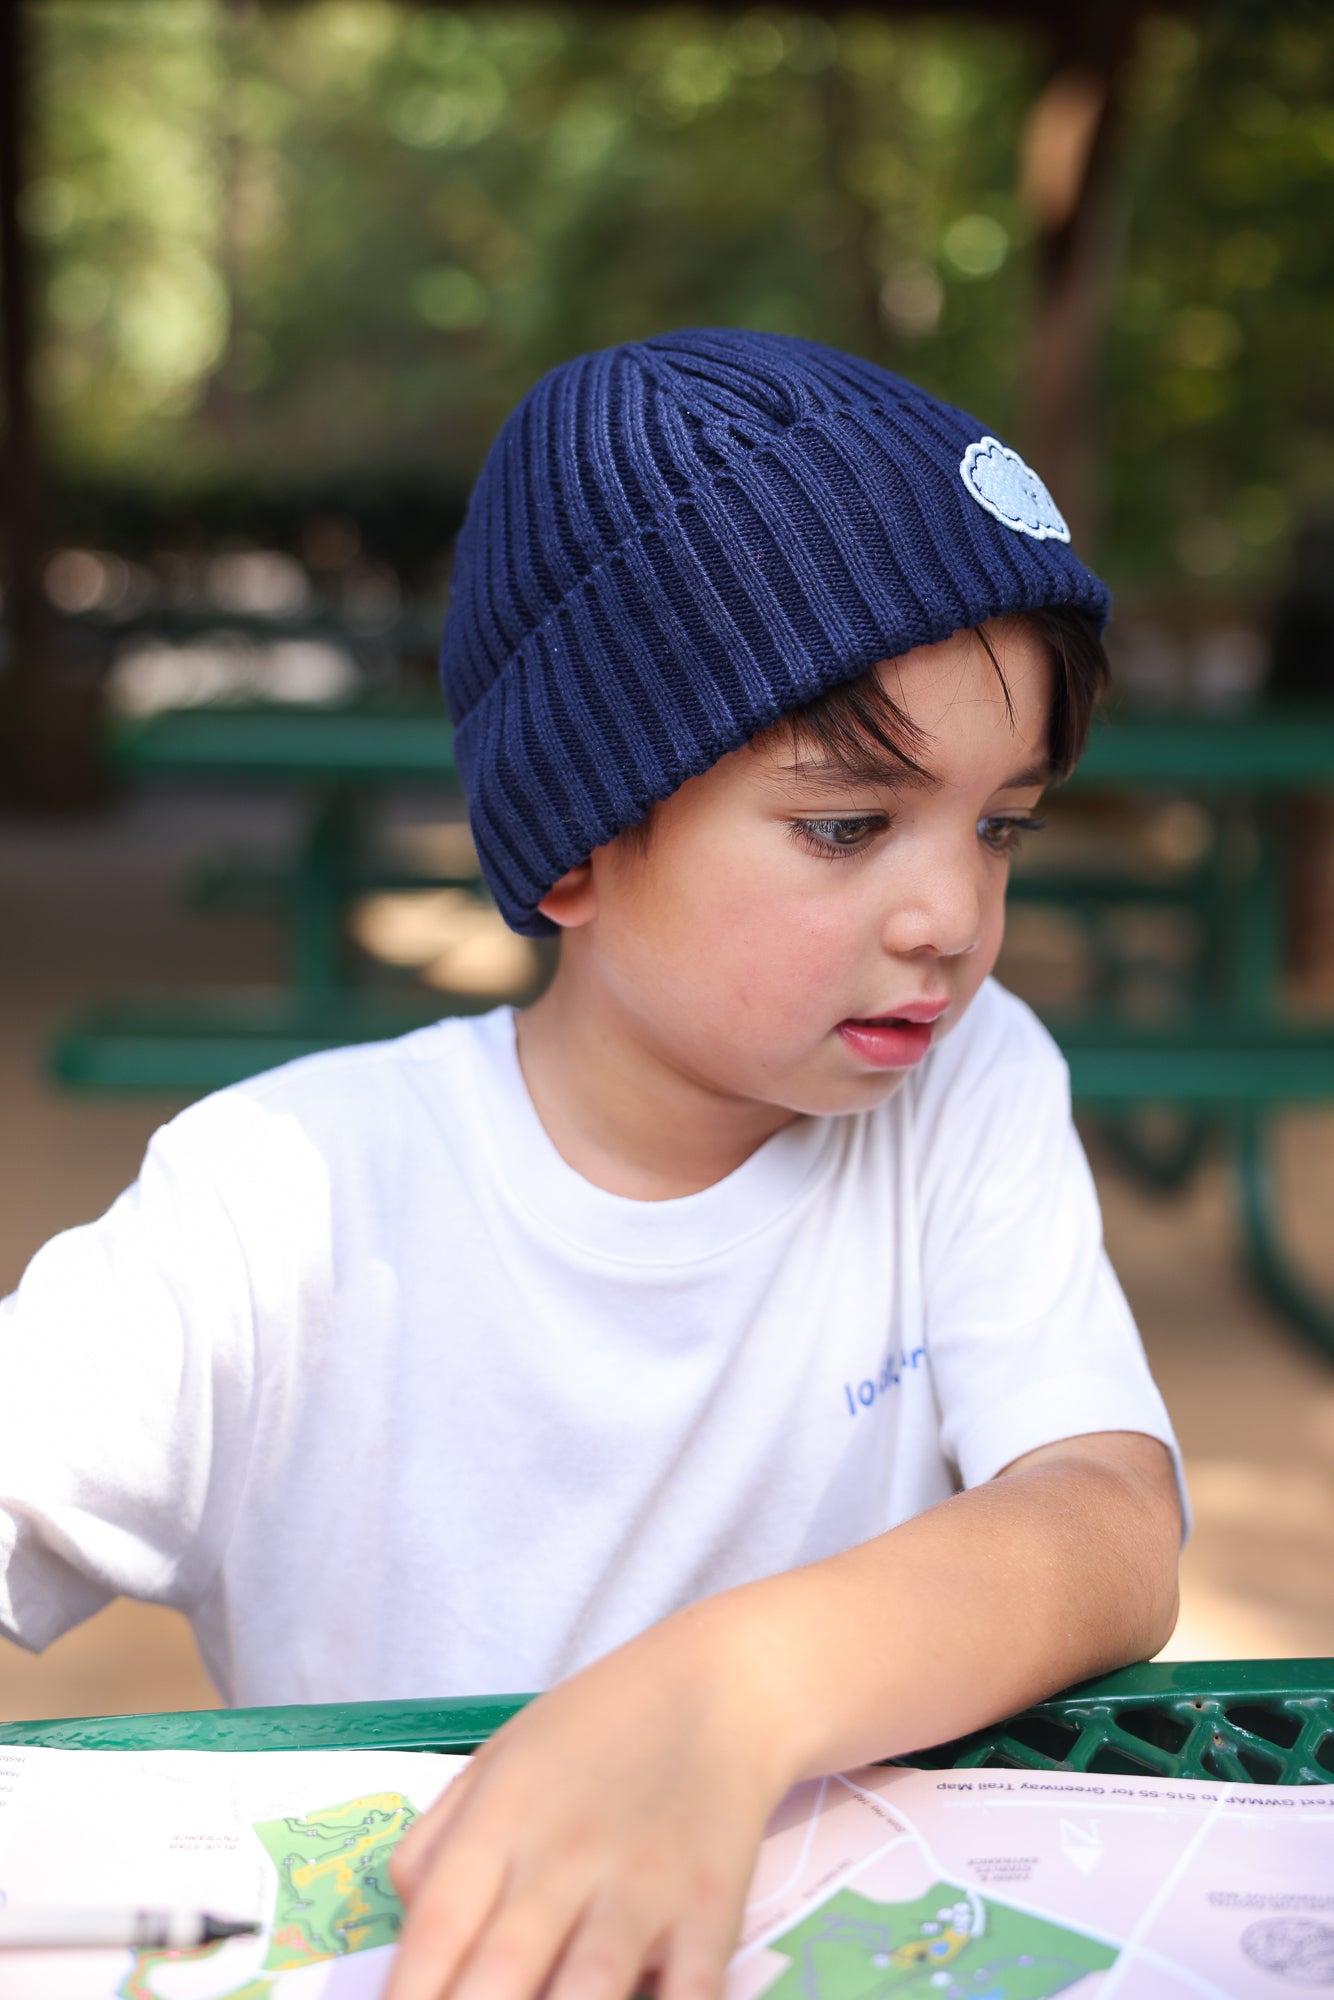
781, 922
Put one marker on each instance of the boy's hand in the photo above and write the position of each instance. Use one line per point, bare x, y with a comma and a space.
607, 1831
611, 1829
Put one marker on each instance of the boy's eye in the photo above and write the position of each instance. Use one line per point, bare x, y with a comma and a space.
1002, 836
834, 837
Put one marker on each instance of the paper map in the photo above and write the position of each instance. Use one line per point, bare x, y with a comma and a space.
878, 1885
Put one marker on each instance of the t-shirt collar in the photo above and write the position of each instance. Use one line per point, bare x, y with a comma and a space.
529, 1172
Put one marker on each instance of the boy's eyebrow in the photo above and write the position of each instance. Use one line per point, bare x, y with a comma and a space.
1041, 773
885, 773
881, 772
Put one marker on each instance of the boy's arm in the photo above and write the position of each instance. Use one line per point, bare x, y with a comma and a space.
613, 1826
1062, 1567
128, 1381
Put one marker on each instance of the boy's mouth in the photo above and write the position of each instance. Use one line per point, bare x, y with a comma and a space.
893, 1041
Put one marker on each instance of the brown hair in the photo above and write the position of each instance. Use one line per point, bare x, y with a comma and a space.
860, 716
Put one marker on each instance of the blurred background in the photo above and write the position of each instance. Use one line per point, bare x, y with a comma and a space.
273, 276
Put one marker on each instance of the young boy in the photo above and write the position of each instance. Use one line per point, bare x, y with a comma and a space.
728, 1339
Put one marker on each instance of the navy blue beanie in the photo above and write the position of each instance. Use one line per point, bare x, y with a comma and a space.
674, 542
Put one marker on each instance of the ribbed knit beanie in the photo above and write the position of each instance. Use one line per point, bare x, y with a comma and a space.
674, 542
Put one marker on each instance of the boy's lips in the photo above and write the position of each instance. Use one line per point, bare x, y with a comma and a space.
894, 1040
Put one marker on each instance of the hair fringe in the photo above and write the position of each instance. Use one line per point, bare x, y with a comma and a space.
857, 724
860, 716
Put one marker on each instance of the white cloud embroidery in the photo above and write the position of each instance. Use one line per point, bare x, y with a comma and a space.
999, 480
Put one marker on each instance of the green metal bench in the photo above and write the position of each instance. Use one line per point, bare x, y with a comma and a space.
1229, 1050
337, 759
1226, 1052
1262, 1721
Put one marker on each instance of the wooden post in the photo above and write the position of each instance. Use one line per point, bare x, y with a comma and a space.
49, 719
1067, 183
22, 550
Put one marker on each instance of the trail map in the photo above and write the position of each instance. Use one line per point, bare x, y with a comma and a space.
879, 1884
333, 1898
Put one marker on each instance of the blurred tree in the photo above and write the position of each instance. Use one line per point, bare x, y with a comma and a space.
1220, 385
326, 246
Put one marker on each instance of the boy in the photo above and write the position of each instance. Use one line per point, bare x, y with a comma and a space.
729, 1340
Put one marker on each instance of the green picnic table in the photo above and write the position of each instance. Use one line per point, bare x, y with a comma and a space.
1231, 1046
338, 760
1225, 1048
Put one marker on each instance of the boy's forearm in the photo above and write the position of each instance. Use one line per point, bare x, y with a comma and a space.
1063, 1567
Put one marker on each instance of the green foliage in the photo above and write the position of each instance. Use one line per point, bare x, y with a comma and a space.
331, 243
1221, 392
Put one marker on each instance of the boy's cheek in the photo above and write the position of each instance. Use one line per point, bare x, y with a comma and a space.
780, 959
724, 939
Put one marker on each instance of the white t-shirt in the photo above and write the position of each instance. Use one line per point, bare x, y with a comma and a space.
362, 1376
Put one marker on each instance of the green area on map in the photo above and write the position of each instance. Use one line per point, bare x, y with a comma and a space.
334, 1893
944, 1945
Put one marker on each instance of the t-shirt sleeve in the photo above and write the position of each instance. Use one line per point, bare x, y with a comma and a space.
126, 1375
1029, 1334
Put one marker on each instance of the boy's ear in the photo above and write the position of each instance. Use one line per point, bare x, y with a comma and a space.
573, 900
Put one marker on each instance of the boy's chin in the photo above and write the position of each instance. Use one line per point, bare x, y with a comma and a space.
841, 1096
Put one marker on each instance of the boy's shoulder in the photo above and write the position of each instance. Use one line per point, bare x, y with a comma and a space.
366, 1068
356, 1101
997, 1072
998, 1031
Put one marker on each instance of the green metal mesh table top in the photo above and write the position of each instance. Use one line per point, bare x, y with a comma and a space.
1262, 1721
1268, 1722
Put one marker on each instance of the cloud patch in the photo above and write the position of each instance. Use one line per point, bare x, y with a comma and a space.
999, 480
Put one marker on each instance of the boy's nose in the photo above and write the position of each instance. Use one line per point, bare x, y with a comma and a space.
942, 914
